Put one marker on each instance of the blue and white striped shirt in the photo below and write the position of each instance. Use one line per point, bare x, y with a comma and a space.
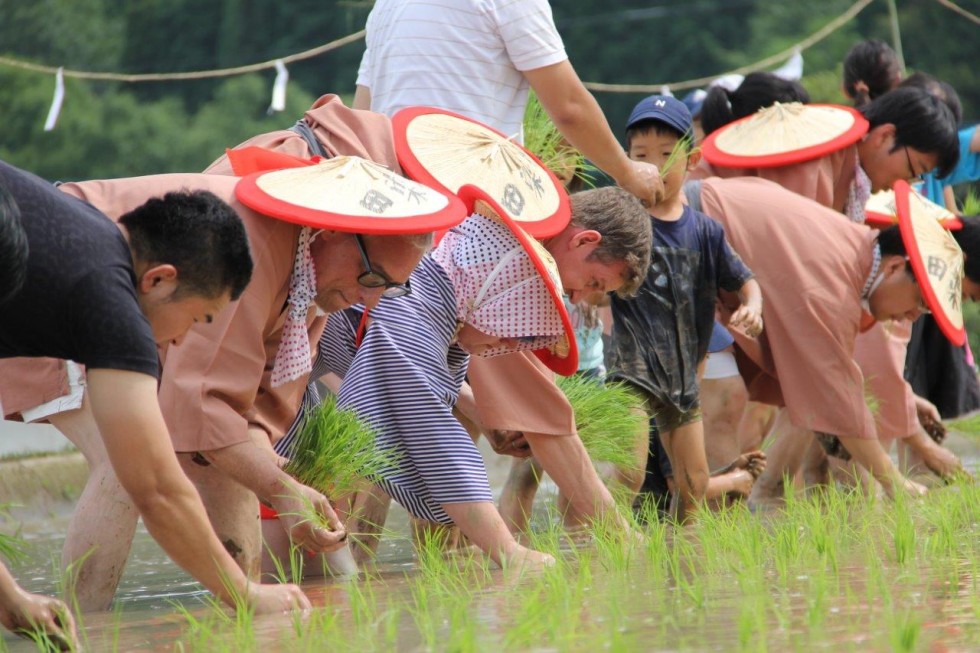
404, 380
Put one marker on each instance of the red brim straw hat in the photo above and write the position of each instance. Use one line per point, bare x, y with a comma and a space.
937, 262
447, 151
880, 211
561, 357
784, 134
345, 193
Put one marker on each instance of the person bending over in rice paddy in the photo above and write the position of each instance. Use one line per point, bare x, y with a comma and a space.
106, 294
487, 289
839, 157
825, 280
232, 387
21, 611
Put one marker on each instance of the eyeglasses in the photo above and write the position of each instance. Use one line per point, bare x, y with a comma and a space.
374, 279
923, 306
913, 175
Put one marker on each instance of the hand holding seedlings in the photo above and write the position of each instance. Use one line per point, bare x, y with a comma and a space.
309, 519
40, 618
930, 419
276, 599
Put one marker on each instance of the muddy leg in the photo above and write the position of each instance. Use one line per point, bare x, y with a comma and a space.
517, 498
685, 448
784, 459
101, 530
816, 467
232, 509
366, 522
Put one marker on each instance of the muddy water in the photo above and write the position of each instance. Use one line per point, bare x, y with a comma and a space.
595, 601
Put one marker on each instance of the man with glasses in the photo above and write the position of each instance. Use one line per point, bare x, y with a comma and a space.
909, 131
828, 282
373, 279
219, 391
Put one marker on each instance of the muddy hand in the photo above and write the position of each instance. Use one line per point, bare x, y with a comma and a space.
525, 558
643, 180
749, 319
930, 418
276, 599
309, 519
509, 443
942, 462
913, 488
41, 618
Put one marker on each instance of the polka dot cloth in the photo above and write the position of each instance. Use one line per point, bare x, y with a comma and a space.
858, 194
498, 289
294, 357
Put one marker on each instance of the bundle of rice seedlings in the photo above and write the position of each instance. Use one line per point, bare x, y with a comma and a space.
543, 139
607, 417
335, 451
12, 548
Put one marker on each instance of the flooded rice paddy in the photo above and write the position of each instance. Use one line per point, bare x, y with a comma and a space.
835, 571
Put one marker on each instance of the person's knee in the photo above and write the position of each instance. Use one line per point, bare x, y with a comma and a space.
524, 476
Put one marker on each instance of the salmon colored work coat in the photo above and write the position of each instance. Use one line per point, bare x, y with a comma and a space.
517, 392
216, 382
880, 352
811, 263
512, 392
339, 129
826, 180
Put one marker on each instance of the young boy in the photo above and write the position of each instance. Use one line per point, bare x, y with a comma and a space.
661, 335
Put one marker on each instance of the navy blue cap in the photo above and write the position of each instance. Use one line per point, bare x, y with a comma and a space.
664, 108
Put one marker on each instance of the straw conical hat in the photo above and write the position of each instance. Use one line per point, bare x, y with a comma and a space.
562, 357
447, 151
348, 193
784, 134
880, 210
937, 262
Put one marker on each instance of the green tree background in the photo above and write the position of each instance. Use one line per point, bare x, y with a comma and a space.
115, 129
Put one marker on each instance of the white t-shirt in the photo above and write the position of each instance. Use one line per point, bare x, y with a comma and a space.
466, 56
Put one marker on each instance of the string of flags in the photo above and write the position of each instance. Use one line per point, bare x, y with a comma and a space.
791, 69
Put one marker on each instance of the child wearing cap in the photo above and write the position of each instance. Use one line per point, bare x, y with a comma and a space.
661, 336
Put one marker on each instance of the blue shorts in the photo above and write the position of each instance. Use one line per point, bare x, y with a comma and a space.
721, 339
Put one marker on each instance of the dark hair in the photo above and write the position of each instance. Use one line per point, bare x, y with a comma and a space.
627, 233
938, 88
13, 247
968, 239
891, 244
660, 128
871, 69
198, 234
890, 241
757, 91
922, 122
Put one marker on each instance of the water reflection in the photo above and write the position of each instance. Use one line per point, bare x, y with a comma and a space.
751, 582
